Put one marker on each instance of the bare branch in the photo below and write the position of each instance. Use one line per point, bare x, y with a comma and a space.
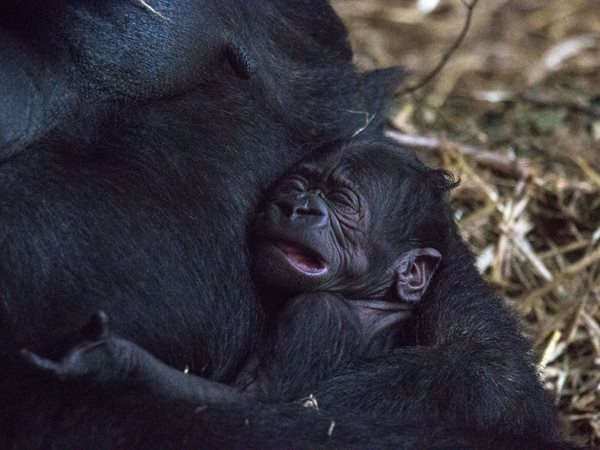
470, 6
506, 162
577, 106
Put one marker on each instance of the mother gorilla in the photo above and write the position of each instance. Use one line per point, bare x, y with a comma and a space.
135, 140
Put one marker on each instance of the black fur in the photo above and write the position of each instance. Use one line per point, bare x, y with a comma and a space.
133, 155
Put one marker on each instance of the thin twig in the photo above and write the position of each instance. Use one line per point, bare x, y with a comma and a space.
506, 163
470, 6
575, 106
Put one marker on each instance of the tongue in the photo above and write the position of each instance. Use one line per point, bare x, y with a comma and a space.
302, 259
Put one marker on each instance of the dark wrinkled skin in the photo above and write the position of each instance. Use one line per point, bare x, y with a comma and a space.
325, 206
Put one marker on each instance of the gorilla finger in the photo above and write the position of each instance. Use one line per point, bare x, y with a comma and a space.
39, 363
97, 328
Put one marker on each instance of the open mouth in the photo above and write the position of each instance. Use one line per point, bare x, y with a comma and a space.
303, 259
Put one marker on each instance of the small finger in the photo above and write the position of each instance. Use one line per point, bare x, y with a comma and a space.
39, 363
101, 324
97, 328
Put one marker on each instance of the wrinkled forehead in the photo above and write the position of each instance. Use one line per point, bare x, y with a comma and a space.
363, 164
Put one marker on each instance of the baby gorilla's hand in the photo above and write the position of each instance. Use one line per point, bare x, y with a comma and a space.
100, 358
107, 361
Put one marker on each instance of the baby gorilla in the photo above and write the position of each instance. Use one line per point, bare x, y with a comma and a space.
338, 238
346, 241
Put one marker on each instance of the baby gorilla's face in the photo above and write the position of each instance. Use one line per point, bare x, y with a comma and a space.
335, 223
311, 233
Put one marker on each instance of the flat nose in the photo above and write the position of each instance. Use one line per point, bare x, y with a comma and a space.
306, 209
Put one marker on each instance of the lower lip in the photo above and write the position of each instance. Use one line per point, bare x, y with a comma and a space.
299, 268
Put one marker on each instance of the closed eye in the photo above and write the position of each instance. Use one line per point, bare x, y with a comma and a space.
293, 184
342, 199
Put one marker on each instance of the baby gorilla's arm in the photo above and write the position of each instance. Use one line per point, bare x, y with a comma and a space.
107, 360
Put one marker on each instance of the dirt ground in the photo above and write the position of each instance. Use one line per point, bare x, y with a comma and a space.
516, 114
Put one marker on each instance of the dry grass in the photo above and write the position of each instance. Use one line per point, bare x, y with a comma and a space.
516, 114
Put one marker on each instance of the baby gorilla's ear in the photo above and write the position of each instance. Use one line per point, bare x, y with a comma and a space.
414, 270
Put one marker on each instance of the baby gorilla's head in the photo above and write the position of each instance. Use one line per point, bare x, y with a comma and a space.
368, 221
